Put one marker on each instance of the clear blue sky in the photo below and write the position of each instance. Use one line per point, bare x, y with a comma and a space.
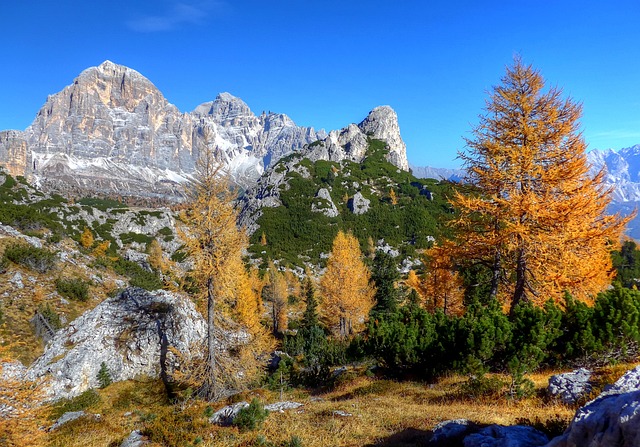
327, 63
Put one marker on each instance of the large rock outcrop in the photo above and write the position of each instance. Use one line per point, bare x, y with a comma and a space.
134, 333
351, 142
112, 130
612, 419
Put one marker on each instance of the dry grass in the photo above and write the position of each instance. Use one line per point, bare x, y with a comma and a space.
19, 305
384, 412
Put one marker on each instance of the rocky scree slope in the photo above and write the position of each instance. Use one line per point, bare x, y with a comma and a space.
112, 130
28, 209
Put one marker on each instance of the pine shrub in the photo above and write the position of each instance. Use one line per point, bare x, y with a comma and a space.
251, 417
75, 289
37, 259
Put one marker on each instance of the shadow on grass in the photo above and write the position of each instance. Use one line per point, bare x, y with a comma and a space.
409, 437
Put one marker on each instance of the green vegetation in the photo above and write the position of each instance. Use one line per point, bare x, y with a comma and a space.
82, 402
73, 288
50, 315
104, 376
296, 233
251, 417
138, 276
484, 338
101, 204
38, 259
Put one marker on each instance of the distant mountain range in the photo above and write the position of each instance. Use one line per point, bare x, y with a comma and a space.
112, 131
623, 176
454, 175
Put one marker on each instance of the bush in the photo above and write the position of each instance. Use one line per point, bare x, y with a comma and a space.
482, 386
38, 259
138, 277
251, 417
73, 288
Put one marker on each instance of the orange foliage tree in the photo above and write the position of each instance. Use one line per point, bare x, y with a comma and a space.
441, 286
539, 221
346, 290
214, 244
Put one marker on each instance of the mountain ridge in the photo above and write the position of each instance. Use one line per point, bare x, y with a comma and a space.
113, 131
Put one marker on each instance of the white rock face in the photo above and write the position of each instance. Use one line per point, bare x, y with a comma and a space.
612, 419
351, 142
325, 205
131, 333
359, 204
112, 130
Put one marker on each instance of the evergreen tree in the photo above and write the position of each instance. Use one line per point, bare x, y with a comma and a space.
384, 275
104, 376
310, 316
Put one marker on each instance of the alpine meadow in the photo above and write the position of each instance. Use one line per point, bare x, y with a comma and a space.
219, 278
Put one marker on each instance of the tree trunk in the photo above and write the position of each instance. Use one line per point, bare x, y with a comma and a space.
519, 294
210, 380
495, 275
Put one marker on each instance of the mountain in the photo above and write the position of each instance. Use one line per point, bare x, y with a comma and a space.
297, 207
112, 131
623, 176
454, 175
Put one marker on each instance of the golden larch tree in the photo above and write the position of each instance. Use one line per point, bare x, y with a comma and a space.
347, 293
86, 238
277, 293
214, 245
393, 198
157, 259
538, 222
442, 285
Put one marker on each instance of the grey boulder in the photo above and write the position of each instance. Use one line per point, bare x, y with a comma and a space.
570, 387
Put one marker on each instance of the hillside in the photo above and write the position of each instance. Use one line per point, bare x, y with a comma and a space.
299, 206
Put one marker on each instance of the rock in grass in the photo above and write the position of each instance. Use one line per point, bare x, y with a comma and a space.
71, 416
448, 433
570, 387
226, 415
284, 405
135, 439
612, 419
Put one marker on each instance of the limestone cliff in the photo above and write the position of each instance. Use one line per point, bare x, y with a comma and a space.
113, 131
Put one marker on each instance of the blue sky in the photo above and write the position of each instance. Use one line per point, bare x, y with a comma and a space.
327, 63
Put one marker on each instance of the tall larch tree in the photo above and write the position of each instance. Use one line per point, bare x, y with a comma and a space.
442, 284
214, 244
276, 292
347, 295
538, 222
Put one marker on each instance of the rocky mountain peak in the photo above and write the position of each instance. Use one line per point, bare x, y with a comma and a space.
112, 131
382, 124
224, 107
